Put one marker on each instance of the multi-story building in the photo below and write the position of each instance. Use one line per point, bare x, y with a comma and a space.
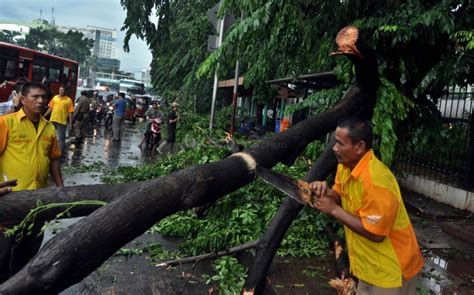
145, 77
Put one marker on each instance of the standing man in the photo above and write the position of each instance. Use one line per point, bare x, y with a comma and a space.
29, 152
61, 108
120, 106
383, 251
173, 119
81, 117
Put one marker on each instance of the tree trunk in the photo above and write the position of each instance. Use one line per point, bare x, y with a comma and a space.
74, 253
289, 209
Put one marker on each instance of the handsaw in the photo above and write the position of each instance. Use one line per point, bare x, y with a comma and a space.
296, 189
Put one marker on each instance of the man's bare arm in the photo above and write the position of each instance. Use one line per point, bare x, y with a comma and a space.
55, 170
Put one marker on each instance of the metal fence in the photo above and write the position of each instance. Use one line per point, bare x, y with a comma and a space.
442, 148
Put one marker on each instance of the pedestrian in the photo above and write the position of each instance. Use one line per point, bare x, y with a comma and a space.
6, 107
13, 103
47, 83
383, 251
153, 113
119, 114
29, 152
61, 108
80, 117
173, 119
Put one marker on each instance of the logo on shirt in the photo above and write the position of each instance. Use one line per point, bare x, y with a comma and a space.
373, 219
21, 139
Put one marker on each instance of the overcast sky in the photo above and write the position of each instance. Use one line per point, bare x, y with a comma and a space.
100, 13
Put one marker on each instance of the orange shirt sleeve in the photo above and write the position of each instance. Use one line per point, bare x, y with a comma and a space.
70, 108
55, 152
51, 103
379, 210
3, 134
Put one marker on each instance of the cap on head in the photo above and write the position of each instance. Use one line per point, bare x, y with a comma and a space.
346, 42
174, 104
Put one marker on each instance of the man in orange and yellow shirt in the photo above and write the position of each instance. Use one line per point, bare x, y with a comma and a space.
383, 251
29, 152
61, 108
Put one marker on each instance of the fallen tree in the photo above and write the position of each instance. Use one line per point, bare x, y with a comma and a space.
74, 253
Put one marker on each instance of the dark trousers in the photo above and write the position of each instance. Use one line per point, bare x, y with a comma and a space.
14, 255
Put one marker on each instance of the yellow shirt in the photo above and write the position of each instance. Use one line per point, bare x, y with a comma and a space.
60, 107
371, 192
25, 153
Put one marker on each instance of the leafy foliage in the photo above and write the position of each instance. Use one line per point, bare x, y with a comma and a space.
422, 47
9, 36
392, 108
178, 42
229, 275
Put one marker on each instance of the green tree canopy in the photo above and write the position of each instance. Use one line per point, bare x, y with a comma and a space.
8, 36
422, 46
70, 45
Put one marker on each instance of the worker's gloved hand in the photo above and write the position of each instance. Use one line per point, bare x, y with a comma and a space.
5, 186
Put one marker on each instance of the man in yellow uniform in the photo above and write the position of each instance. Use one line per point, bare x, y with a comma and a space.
383, 251
61, 108
29, 152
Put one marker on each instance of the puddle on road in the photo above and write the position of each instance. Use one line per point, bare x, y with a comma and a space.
448, 271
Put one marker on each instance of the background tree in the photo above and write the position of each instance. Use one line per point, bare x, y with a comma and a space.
8, 36
70, 45
178, 42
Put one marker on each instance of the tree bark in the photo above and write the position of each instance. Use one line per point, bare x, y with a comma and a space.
74, 253
15, 206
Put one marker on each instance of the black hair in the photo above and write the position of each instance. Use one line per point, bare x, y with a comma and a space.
121, 94
359, 129
30, 85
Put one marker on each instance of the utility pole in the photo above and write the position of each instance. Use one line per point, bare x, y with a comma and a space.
236, 88
216, 80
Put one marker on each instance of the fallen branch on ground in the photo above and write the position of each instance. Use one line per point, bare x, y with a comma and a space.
202, 257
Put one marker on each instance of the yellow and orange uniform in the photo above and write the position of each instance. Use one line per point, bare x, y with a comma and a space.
60, 107
26, 151
371, 192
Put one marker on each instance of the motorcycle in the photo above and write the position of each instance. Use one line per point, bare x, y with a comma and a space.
99, 113
154, 136
109, 116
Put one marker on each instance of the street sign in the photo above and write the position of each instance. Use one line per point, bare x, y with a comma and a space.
229, 19
212, 16
212, 43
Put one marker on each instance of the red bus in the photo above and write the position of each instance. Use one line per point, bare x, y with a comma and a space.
17, 61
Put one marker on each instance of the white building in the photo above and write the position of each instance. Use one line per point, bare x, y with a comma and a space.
145, 77
22, 28
104, 40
